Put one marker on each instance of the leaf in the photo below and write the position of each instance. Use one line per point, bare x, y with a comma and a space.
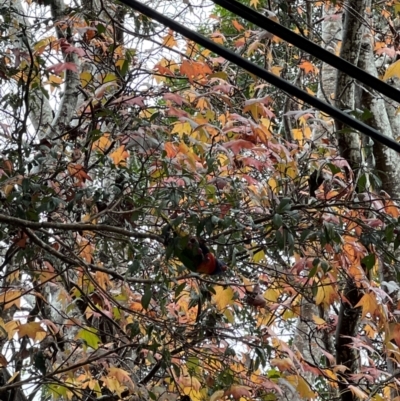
122, 376
283, 364
102, 144
89, 336
239, 27
78, 171
259, 256
396, 334
308, 67
238, 392
218, 395
33, 330
3, 361
146, 298
119, 156
169, 40
237, 145
358, 392
10, 298
368, 303
60, 67
223, 297
326, 293
392, 71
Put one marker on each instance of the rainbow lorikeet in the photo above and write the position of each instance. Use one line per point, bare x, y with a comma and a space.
194, 254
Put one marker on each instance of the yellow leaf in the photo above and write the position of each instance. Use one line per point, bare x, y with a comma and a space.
85, 78
54, 81
11, 328
259, 256
276, 70
254, 3
282, 364
218, 395
223, 297
326, 293
317, 320
368, 304
229, 316
122, 376
102, 144
109, 78
273, 184
301, 134
169, 40
271, 295
304, 389
10, 298
392, 71
182, 128
33, 330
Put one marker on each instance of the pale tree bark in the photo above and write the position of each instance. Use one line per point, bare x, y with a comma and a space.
37, 106
308, 339
345, 92
387, 164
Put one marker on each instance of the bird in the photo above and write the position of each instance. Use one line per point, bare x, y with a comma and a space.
194, 254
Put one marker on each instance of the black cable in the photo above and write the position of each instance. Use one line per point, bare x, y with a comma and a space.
309, 47
264, 74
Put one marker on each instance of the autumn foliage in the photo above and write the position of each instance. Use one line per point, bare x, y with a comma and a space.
105, 140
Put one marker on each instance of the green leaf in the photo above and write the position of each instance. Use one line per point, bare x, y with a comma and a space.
277, 220
369, 261
100, 28
284, 206
90, 338
146, 298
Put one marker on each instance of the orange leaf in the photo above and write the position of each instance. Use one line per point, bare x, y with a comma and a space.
396, 334
392, 209
119, 156
308, 67
239, 27
78, 171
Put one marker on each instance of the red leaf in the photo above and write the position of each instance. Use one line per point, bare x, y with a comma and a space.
237, 145
57, 68
179, 100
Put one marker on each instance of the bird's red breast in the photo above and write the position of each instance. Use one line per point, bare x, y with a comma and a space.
208, 265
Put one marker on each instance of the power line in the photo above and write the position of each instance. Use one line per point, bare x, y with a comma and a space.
264, 74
